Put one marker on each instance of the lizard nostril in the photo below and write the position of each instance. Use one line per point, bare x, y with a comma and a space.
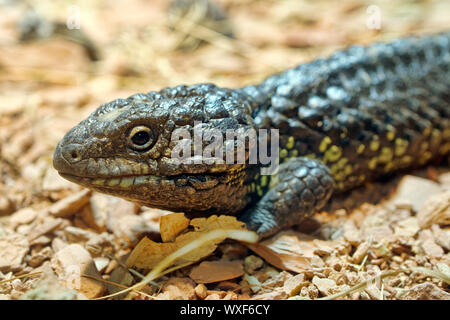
72, 153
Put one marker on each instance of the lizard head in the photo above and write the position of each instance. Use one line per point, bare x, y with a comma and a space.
143, 149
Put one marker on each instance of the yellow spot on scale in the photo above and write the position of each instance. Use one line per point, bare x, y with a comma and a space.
436, 137
273, 182
374, 144
168, 153
283, 153
390, 135
361, 148
435, 133
311, 156
99, 182
263, 182
324, 144
406, 160
293, 153
400, 146
388, 167
259, 191
425, 157
332, 154
126, 182
290, 143
334, 169
113, 182
372, 163
445, 148
424, 145
339, 176
342, 162
386, 155
348, 170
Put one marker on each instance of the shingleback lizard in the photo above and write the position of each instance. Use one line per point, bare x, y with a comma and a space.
360, 114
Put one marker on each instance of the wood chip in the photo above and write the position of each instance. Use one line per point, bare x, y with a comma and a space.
47, 226
425, 291
414, 191
50, 288
407, 228
71, 263
13, 249
293, 285
70, 205
379, 234
252, 263
277, 294
325, 286
201, 291
23, 216
432, 249
178, 289
436, 210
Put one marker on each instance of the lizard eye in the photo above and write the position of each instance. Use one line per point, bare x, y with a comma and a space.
141, 138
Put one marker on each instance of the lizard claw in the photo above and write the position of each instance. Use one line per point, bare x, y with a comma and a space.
261, 222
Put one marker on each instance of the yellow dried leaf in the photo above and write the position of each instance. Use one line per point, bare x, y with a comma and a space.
217, 222
148, 253
172, 225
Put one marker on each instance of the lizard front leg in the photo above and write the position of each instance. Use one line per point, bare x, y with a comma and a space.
301, 187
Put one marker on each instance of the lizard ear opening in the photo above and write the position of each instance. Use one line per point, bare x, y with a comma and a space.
141, 138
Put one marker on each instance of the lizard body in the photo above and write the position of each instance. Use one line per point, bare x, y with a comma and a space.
362, 113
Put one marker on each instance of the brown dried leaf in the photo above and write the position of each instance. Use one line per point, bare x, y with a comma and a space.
216, 271
148, 253
287, 250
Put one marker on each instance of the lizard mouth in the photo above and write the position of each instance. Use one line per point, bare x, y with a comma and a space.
197, 181
113, 182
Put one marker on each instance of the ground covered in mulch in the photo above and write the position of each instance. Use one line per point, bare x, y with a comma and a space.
388, 240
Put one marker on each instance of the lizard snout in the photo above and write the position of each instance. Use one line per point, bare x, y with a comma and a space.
65, 156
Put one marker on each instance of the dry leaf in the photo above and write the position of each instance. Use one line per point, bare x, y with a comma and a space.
148, 253
216, 271
290, 250
172, 225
